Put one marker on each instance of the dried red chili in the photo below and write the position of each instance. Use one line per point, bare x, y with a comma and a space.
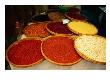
60, 50
36, 30
58, 27
25, 52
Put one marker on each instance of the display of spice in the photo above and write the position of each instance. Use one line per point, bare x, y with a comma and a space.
25, 52
36, 30
91, 48
64, 47
58, 28
82, 27
56, 16
73, 16
60, 50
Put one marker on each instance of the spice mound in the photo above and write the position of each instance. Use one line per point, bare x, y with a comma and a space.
25, 52
58, 28
60, 50
91, 48
36, 30
75, 16
56, 16
81, 27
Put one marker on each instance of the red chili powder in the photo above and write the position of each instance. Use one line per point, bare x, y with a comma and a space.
58, 27
60, 50
25, 52
75, 16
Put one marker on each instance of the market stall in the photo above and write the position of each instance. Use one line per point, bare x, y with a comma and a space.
62, 38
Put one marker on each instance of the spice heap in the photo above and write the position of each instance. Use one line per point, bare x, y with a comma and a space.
58, 28
91, 48
25, 52
56, 16
36, 30
60, 50
81, 27
72, 16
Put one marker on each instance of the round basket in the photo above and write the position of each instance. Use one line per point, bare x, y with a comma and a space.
56, 50
56, 16
72, 16
58, 28
15, 50
36, 30
82, 27
91, 48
